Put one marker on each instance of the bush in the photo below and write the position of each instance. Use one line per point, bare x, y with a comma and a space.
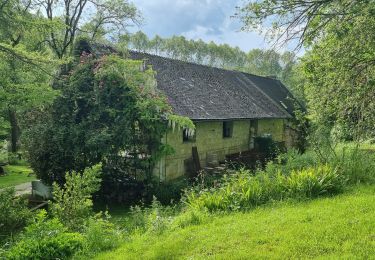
357, 165
100, 235
169, 192
46, 239
154, 219
244, 190
312, 182
158, 219
16, 159
13, 212
291, 160
73, 203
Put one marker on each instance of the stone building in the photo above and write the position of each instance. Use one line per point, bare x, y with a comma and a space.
229, 109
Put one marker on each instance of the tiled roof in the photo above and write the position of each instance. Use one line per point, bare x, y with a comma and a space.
207, 93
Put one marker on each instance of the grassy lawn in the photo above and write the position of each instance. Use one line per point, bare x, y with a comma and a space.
341, 227
16, 174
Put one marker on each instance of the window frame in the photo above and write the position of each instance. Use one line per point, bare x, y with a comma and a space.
186, 138
227, 129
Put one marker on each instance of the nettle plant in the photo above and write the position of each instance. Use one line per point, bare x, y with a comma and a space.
111, 112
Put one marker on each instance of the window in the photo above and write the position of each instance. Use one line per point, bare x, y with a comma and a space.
188, 137
227, 129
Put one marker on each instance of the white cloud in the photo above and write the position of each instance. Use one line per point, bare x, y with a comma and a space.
209, 20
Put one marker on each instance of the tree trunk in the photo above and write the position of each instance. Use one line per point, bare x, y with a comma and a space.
14, 130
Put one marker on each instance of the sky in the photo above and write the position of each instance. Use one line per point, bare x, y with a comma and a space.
197, 19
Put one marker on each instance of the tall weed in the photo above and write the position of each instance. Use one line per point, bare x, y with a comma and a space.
356, 164
153, 219
100, 235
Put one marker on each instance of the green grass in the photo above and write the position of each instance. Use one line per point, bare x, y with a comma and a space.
340, 227
16, 174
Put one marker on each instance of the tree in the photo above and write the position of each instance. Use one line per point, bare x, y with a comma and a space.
112, 17
139, 41
300, 20
110, 113
338, 69
340, 77
264, 63
157, 44
24, 71
108, 15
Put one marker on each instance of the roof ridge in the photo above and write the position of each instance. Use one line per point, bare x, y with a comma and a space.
265, 94
203, 65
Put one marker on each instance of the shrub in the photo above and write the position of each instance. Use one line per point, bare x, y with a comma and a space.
100, 235
312, 182
73, 203
157, 219
291, 160
357, 165
16, 159
244, 190
153, 219
46, 239
169, 192
13, 212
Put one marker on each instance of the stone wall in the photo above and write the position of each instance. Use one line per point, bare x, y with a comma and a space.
211, 145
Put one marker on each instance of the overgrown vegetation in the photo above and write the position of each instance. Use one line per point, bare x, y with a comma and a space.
73, 202
109, 112
75, 108
333, 227
69, 228
46, 238
14, 213
80, 233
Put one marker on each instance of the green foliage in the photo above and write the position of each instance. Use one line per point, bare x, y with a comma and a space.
329, 228
14, 212
181, 122
291, 160
46, 239
312, 182
154, 219
100, 235
356, 164
109, 112
190, 217
73, 202
341, 98
243, 190
26, 66
169, 192
352, 162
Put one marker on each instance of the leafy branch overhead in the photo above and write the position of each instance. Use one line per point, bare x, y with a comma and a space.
300, 20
